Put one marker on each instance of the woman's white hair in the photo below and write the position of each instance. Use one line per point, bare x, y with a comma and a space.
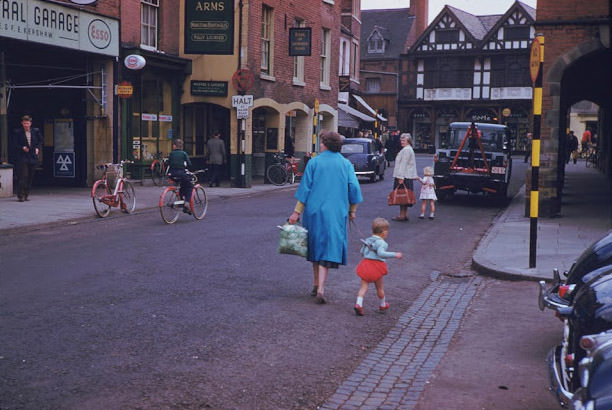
406, 136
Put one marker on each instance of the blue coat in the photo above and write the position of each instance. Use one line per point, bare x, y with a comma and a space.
329, 186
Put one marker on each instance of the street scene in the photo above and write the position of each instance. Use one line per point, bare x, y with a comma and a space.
280, 204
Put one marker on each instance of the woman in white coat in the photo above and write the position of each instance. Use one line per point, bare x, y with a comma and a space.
404, 171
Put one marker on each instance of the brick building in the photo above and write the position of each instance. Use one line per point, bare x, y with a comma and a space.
577, 61
59, 65
289, 92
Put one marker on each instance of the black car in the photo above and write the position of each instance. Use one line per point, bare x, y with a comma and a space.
590, 313
367, 157
560, 293
595, 370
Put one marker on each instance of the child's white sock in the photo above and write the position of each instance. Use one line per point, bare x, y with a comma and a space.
359, 301
383, 302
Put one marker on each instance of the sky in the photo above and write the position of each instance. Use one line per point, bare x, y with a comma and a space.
476, 7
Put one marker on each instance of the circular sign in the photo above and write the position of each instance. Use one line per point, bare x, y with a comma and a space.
243, 80
125, 89
99, 33
506, 112
135, 62
534, 59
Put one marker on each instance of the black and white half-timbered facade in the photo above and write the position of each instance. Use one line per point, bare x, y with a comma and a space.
468, 68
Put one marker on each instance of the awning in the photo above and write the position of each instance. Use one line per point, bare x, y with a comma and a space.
346, 120
367, 107
353, 112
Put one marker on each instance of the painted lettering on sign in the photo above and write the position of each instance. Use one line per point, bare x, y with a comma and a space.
57, 20
99, 33
210, 6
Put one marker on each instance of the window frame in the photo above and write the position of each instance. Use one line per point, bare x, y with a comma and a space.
148, 29
298, 61
325, 55
267, 40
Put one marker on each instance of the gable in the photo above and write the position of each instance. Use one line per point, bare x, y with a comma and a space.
445, 33
514, 31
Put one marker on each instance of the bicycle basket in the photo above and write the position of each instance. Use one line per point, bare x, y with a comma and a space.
113, 171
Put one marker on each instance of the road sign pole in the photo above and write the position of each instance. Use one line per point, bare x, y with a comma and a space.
536, 63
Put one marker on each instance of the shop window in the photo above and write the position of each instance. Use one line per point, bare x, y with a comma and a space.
266, 40
149, 23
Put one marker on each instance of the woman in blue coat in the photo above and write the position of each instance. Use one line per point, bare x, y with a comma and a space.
327, 199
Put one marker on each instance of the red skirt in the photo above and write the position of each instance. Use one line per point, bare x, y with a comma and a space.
371, 270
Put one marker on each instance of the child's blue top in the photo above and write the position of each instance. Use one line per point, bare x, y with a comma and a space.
376, 249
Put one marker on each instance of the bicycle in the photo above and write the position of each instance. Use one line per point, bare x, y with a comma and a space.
122, 195
171, 203
592, 159
283, 169
159, 169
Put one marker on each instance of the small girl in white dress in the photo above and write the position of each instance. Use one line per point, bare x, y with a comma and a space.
428, 193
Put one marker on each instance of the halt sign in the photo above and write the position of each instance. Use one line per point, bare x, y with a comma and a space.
242, 103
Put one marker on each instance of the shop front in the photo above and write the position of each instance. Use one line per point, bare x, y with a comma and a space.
62, 75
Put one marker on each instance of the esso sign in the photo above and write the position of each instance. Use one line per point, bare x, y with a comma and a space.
99, 33
134, 62
83, 2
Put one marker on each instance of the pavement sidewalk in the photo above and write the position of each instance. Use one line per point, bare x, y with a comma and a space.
586, 215
65, 205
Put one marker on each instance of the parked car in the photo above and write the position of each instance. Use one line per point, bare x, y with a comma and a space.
595, 371
560, 292
367, 157
476, 158
590, 313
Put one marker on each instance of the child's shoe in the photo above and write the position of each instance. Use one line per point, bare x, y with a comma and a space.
383, 309
422, 216
431, 216
358, 310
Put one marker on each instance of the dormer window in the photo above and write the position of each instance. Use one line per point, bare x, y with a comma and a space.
376, 44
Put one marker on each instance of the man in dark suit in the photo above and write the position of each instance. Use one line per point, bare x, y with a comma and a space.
27, 142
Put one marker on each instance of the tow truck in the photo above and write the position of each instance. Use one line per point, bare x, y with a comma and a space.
477, 159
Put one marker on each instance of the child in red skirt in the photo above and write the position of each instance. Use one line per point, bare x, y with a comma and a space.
373, 267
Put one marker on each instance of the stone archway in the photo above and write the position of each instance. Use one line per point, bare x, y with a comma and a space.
581, 73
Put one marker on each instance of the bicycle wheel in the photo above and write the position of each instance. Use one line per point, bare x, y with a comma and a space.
199, 202
277, 174
169, 211
157, 174
127, 197
98, 192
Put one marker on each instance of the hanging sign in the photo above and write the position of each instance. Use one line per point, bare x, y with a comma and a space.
209, 27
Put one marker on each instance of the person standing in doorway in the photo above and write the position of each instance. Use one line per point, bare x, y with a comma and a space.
216, 157
572, 147
27, 142
528, 147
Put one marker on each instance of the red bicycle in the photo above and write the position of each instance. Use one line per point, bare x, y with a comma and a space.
171, 203
283, 169
113, 190
159, 169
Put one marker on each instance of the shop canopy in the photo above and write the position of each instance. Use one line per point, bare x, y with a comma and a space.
367, 107
349, 115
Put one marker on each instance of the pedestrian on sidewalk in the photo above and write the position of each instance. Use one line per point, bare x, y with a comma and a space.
27, 142
528, 147
216, 157
179, 161
404, 172
373, 267
572, 147
428, 193
327, 199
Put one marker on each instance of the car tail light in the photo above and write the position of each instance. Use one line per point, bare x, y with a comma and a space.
435, 157
569, 360
587, 342
565, 290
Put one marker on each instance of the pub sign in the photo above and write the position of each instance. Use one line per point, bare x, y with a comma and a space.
209, 27
300, 41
